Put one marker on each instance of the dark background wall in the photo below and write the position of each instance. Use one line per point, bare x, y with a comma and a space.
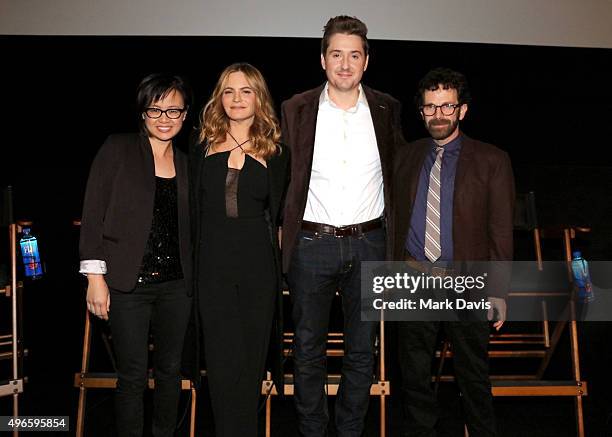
549, 107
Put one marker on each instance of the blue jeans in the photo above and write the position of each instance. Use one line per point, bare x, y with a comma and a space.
320, 266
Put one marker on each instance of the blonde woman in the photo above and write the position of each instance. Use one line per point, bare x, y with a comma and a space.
240, 173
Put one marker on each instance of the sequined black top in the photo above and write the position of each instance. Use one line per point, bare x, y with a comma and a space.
161, 260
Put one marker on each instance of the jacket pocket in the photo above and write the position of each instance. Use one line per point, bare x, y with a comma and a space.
109, 238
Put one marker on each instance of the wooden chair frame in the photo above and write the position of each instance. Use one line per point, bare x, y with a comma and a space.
534, 384
380, 386
85, 380
11, 345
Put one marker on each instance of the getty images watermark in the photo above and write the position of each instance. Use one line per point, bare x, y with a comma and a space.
465, 291
425, 284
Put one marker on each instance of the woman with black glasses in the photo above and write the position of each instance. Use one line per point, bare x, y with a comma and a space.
135, 251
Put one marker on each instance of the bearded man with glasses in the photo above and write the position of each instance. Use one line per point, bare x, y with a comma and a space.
453, 201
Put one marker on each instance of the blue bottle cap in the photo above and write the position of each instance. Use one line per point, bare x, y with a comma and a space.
577, 254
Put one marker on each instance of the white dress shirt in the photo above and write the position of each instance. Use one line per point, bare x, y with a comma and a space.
92, 266
346, 184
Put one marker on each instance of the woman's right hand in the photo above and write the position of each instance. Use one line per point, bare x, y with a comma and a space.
98, 296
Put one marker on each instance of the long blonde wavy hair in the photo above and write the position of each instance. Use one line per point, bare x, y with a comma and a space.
265, 130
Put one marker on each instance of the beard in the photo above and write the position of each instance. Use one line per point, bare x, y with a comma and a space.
441, 129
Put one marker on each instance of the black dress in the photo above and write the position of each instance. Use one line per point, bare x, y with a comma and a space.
237, 289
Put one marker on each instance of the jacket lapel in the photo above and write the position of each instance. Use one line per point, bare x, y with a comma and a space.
406, 183
308, 125
182, 192
180, 166
462, 192
463, 168
385, 138
378, 111
420, 153
304, 137
147, 169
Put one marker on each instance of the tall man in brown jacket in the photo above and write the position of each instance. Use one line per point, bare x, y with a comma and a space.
342, 136
453, 201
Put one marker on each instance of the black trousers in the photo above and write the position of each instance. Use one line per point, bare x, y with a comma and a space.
162, 309
236, 325
320, 265
416, 349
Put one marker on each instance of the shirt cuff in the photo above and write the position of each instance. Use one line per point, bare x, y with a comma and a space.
95, 266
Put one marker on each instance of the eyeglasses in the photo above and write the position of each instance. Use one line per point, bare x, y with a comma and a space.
172, 113
446, 109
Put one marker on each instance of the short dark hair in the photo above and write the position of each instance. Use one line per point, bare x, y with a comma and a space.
157, 86
348, 26
447, 79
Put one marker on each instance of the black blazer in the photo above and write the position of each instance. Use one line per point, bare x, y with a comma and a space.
278, 180
118, 209
299, 121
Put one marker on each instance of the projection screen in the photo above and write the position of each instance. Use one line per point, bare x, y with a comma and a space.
569, 23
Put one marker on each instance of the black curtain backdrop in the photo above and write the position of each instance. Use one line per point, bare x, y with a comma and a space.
549, 107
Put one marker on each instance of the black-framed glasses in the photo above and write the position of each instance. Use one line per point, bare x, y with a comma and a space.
446, 109
172, 113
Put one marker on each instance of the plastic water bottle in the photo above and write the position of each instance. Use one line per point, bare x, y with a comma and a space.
30, 256
582, 278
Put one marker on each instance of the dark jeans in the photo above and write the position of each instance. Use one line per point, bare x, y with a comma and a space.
469, 340
164, 309
320, 266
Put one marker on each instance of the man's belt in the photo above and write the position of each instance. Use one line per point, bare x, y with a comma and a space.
343, 231
426, 267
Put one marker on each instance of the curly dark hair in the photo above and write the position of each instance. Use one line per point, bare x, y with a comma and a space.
348, 26
447, 79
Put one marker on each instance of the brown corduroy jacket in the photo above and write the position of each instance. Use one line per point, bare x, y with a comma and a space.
483, 201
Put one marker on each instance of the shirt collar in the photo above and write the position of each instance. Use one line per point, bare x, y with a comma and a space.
324, 98
452, 146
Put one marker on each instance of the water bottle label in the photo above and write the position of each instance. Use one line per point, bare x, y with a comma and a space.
31, 259
582, 280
